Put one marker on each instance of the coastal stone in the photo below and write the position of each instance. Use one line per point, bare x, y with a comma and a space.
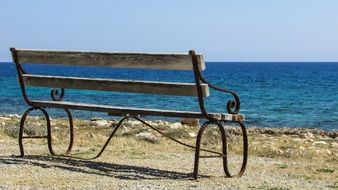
14, 116
233, 131
96, 119
176, 126
125, 132
111, 122
3, 123
284, 136
296, 140
309, 140
99, 123
269, 131
147, 137
334, 145
307, 135
190, 121
192, 135
319, 143
332, 134
132, 124
56, 128
327, 139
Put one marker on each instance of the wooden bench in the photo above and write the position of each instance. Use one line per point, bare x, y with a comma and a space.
167, 61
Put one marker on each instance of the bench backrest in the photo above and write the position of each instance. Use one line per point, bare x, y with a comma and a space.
167, 61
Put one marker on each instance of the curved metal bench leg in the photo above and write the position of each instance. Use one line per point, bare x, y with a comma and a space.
224, 148
71, 132
110, 137
198, 147
245, 152
245, 149
49, 132
21, 130
22, 123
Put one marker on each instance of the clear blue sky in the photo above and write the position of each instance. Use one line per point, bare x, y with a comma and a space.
237, 30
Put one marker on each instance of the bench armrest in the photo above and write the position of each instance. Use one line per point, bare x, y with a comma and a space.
233, 106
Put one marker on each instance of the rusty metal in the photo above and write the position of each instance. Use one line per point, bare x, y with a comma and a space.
56, 95
71, 134
198, 147
173, 139
245, 148
231, 104
20, 71
49, 131
111, 136
197, 75
232, 107
71, 131
105, 144
21, 129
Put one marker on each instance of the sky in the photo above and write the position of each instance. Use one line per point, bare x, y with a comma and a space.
223, 30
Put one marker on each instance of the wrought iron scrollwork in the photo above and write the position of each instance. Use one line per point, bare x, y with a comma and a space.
57, 95
232, 106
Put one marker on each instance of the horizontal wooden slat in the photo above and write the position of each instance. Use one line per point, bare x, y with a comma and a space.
151, 87
116, 110
233, 117
171, 61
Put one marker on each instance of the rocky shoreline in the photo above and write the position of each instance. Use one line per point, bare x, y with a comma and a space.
279, 158
294, 132
306, 143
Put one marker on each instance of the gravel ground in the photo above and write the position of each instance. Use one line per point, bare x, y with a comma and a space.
154, 171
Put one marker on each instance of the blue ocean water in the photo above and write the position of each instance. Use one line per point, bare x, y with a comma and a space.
272, 94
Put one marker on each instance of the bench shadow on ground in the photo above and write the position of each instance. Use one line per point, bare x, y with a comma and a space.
125, 172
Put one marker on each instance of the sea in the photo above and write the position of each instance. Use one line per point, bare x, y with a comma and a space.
272, 94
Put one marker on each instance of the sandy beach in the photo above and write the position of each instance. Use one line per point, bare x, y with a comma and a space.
140, 158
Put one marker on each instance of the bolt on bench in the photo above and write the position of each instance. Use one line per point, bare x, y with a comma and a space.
162, 61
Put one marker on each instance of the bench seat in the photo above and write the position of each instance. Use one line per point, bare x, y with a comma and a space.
118, 111
174, 62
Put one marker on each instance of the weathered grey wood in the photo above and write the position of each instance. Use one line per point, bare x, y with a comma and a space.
233, 117
151, 87
169, 61
115, 110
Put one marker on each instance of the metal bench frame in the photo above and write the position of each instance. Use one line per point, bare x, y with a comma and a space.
232, 106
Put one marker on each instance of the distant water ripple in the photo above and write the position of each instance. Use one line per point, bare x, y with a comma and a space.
272, 94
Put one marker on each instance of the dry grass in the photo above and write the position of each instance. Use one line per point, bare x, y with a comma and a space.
289, 169
269, 146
